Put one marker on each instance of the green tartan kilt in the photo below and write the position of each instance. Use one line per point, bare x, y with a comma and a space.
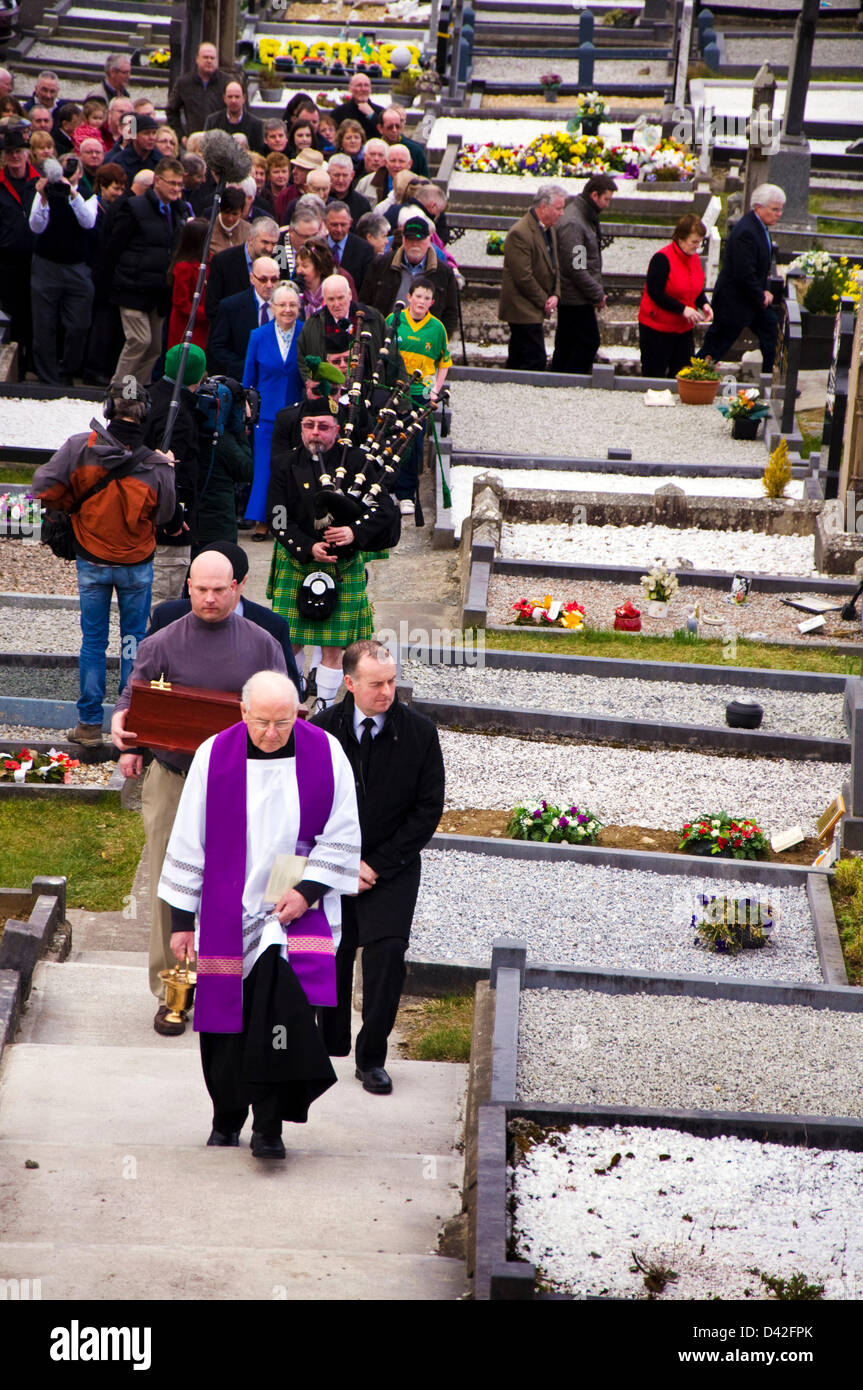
352, 618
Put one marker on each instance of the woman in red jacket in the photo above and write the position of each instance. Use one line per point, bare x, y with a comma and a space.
672, 301
183, 274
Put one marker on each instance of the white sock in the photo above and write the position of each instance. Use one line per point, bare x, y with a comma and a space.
329, 680
316, 657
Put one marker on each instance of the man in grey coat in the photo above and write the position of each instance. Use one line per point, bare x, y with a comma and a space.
581, 293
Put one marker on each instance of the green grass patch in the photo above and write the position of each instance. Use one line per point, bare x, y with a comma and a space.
16, 475
643, 646
846, 890
95, 846
440, 1030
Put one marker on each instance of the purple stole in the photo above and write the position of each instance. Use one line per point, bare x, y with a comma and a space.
219, 995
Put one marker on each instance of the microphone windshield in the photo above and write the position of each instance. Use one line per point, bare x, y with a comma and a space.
224, 158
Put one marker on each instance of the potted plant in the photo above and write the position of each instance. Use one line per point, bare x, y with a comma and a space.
819, 284
591, 109
745, 410
269, 85
659, 586
728, 924
698, 383
494, 243
551, 83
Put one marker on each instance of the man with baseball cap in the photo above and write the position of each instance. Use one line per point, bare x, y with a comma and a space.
140, 152
389, 277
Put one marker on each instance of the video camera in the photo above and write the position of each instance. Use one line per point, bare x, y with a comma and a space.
221, 403
58, 174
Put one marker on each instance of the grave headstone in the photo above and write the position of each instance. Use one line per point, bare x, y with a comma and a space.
759, 132
790, 165
852, 825
851, 477
837, 396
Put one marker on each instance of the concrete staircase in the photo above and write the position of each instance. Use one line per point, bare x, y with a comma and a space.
128, 1203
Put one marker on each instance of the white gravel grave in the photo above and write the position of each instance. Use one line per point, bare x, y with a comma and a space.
44, 424
711, 1210
615, 697
825, 101
560, 480
582, 1047
628, 786
567, 422
625, 255
572, 913
753, 551
605, 73
49, 630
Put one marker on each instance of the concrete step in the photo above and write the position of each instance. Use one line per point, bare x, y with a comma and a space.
116, 1117
174, 1271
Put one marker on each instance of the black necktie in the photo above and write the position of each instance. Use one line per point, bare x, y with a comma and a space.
265, 318
366, 746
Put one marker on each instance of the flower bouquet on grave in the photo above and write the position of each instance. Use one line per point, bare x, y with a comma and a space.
160, 58
540, 821
494, 245
659, 585
549, 612
627, 618
826, 281
730, 837
18, 512
668, 162
745, 410
726, 925
589, 113
27, 765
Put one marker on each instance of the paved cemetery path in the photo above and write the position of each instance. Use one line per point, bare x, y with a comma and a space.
416, 585
116, 1118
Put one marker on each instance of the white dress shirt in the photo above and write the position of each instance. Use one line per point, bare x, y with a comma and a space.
85, 212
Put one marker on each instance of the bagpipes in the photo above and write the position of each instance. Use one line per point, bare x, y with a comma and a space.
390, 435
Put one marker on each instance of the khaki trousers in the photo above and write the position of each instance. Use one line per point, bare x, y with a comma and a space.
170, 563
160, 798
143, 334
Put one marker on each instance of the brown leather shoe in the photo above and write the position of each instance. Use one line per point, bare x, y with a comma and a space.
88, 735
167, 1030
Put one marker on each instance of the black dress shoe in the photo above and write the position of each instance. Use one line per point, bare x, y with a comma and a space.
267, 1145
217, 1140
375, 1080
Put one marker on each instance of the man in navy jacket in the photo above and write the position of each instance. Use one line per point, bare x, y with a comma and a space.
741, 298
238, 315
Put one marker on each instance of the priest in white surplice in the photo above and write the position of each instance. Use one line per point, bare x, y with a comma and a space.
265, 840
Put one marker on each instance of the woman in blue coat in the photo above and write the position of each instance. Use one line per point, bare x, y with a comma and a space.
271, 367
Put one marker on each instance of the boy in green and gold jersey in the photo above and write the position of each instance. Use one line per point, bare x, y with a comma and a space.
423, 344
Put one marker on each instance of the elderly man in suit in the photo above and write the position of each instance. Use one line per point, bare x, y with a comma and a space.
230, 270
741, 298
531, 278
238, 317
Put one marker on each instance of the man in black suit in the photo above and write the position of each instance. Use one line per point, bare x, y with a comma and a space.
236, 119
398, 769
273, 623
230, 270
741, 298
238, 315
351, 253
359, 106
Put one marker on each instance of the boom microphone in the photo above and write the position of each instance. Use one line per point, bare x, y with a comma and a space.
224, 158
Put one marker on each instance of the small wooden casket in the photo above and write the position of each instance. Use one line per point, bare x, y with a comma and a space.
179, 718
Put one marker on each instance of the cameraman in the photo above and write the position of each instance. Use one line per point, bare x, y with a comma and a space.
62, 222
227, 464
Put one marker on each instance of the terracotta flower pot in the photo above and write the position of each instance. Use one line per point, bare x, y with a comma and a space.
696, 392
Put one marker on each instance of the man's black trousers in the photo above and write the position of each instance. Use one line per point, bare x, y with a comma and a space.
722, 335
527, 347
383, 978
576, 340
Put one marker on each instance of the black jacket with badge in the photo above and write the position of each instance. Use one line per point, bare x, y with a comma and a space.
400, 807
294, 480
139, 252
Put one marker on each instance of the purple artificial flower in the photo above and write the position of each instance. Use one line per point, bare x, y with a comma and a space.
582, 820
537, 815
563, 822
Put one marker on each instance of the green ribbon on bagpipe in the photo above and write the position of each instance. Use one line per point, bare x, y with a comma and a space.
445, 492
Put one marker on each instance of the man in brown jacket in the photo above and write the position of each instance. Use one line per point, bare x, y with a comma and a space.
531, 278
115, 537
